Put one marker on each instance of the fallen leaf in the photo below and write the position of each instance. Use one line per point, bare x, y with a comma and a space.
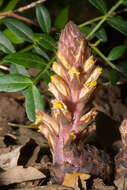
71, 179
48, 187
10, 159
98, 184
19, 174
121, 183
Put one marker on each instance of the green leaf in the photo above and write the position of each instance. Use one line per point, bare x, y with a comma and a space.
39, 51
117, 52
46, 76
124, 67
114, 77
1, 73
62, 18
28, 60
14, 82
19, 29
11, 5
12, 37
33, 101
5, 44
43, 18
100, 5
46, 41
1, 2
18, 69
125, 3
86, 30
119, 24
101, 34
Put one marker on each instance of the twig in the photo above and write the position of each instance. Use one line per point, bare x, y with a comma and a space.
121, 11
24, 126
33, 4
19, 10
27, 20
105, 18
4, 68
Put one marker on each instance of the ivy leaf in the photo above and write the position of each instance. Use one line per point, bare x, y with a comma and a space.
28, 60
117, 52
33, 101
62, 18
14, 82
100, 5
119, 23
19, 29
114, 76
43, 18
5, 44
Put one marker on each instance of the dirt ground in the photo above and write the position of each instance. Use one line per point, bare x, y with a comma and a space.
25, 158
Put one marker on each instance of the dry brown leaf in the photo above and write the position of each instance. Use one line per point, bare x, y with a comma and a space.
48, 187
19, 174
9, 159
121, 183
99, 185
71, 179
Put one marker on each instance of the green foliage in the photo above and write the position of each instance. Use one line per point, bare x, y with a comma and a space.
119, 23
12, 37
14, 82
100, 5
101, 34
43, 18
46, 41
18, 69
114, 77
62, 18
5, 44
125, 2
19, 29
33, 101
11, 5
28, 60
124, 67
117, 52
39, 51
1, 2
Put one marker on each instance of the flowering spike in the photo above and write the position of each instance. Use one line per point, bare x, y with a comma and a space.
74, 83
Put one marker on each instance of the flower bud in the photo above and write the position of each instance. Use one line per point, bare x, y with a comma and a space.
57, 68
53, 90
48, 121
59, 107
61, 85
72, 47
88, 64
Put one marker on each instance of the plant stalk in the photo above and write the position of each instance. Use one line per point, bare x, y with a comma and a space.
104, 18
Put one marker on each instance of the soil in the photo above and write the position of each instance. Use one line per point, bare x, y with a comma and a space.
21, 147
